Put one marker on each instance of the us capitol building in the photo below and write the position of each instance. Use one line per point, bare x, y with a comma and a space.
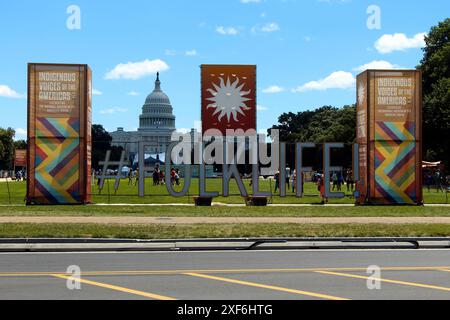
156, 125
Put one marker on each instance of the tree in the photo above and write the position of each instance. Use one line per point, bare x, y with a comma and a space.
20, 145
326, 124
435, 66
101, 143
6, 148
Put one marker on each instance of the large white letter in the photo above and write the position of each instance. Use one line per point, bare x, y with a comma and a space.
74, 20
374, 20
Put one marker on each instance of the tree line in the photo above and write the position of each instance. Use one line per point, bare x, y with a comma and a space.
100, 137
7, 147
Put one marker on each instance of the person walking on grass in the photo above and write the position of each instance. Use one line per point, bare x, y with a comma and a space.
172, 176
177, 177
340, 181
294, 181
130, 177
276, 177
321, 188
438, 180
349, 180
155, 177
288, 177
162, 178
335, 180
136, 180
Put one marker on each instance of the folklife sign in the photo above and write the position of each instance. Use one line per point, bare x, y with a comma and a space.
228, 97
20, 158
59, 134
389, 134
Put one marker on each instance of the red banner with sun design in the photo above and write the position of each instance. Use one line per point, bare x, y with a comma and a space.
228, 97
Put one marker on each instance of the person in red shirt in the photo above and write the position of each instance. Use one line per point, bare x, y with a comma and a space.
321, 188
172, 176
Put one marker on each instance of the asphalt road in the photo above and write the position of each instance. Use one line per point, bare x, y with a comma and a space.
242, 275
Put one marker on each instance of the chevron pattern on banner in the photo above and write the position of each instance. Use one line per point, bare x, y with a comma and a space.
57, 160
395, 153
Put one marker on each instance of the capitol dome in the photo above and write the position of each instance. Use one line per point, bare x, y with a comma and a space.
157, 112
157, 96
156, 125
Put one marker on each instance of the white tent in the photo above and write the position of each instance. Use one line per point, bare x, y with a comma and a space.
151, 157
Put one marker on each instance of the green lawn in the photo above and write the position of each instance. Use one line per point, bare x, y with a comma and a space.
179, 211
219, 231
128, 194
158, 194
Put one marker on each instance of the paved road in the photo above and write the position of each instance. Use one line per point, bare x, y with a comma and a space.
238, 275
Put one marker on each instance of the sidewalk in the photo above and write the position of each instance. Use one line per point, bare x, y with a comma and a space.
224, 220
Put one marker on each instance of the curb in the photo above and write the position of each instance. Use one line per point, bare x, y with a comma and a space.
124, 245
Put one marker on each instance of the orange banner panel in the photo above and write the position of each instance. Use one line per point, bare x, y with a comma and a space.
228, 97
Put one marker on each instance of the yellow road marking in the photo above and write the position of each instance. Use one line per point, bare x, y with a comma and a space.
179, 272
404, 283
259, 285
115, 288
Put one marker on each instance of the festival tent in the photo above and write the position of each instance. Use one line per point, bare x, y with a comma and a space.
430, 165
151, 159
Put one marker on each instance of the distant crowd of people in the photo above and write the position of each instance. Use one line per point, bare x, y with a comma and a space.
435, 179
159, 177
340, 181
20, 175
337, 179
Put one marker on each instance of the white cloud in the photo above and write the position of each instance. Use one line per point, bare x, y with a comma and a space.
172, 53
336, 80
399, 42
267, 28
270, 27
96, 92
228, 31
113, 111
136, 70
133, 93
273, 89
7, 92
376, 65
191, 53
183, 130
21, 133
261, 108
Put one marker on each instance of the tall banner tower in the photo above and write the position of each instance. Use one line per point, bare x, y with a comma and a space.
228, 97
389, 134
59, 134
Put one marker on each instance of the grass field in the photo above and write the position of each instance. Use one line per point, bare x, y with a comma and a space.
12, 197
220, 231
217, 211
14, 193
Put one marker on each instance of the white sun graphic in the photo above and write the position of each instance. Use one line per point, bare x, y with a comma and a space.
228, 99
361, 93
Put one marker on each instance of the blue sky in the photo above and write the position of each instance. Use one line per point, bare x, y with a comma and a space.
307, 51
